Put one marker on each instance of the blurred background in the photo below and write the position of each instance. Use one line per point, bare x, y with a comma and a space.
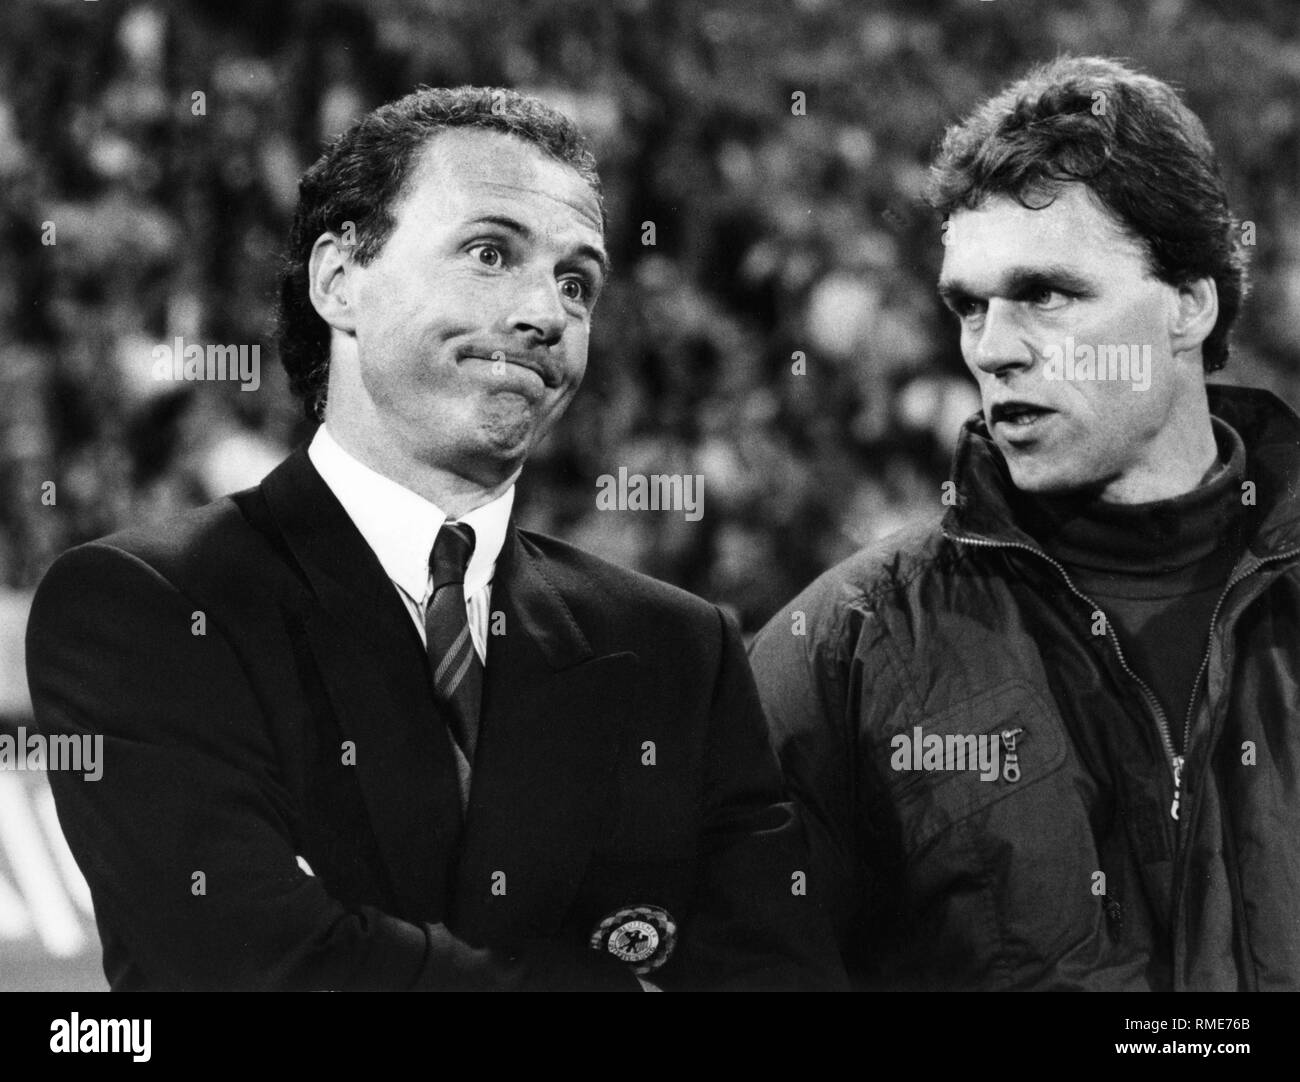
162, 142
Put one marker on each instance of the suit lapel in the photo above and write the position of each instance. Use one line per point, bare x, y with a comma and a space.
546, 758
375, 673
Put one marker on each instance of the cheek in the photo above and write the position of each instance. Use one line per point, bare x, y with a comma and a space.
407, 301
1141, 322
576, 341
384, 315
1122, 416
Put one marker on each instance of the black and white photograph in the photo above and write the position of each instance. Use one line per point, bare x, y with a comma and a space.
653, 496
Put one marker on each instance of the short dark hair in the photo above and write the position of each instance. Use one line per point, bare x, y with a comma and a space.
1137, 147
360, 177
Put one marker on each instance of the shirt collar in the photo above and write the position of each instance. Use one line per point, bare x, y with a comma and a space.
400, 526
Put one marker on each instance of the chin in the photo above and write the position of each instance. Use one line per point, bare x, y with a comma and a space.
504, 446
1047, 483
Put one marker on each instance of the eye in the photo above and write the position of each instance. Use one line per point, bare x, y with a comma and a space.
967, 309
488, 254
1047, 297
575, 289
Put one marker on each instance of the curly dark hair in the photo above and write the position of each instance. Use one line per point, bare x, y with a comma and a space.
360, 178
1133, 142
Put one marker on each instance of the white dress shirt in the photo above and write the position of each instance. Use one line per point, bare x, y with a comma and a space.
400, 527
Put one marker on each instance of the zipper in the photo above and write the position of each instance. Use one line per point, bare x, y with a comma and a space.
1157, 711
1178, 782
1248, 570
1245, 572
1010, 760
1162, 723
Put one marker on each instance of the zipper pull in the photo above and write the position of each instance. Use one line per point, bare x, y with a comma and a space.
1178, 785
1010, 760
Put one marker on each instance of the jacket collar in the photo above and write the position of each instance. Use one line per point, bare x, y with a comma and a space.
340, 568
1270, 430
373, 667
346, 576
546, 756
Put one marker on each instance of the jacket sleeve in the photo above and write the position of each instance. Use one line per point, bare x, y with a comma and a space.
802, 663
753, 926
186, 837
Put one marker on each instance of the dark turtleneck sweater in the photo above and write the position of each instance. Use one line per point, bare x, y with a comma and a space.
1156, 569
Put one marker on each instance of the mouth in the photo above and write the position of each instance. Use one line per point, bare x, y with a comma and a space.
1017, 420
515, 361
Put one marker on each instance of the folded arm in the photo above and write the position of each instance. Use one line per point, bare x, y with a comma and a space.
187, 840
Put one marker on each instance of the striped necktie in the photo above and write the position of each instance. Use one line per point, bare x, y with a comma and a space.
457, 670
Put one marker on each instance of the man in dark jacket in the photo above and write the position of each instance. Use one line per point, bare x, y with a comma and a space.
359, 730
1050, 740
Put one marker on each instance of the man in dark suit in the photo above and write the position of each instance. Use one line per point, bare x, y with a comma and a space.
360, 731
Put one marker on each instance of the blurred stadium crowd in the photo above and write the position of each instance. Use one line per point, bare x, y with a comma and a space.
774, 233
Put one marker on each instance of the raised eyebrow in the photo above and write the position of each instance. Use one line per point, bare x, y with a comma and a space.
511, 225
502, 221
598, 256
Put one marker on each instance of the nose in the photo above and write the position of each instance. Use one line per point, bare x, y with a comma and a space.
538, 310
1000, 343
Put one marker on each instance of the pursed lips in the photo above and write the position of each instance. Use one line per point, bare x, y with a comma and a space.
519, 360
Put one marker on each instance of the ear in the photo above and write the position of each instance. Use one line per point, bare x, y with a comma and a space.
1195, 313
328, 282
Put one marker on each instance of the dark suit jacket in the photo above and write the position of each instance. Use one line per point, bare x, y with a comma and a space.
226, 757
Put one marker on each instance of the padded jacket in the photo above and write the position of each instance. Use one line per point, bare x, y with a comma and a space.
1059, 868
